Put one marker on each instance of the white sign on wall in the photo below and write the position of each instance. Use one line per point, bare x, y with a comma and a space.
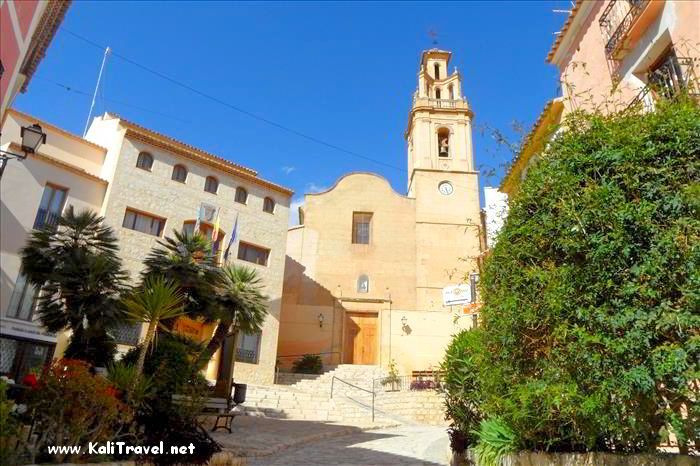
456, 294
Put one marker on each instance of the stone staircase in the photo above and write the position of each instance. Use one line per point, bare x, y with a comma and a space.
309, 399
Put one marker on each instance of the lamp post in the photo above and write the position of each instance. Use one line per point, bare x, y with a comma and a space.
32, 138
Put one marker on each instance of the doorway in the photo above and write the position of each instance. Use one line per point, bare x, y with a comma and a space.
360, 338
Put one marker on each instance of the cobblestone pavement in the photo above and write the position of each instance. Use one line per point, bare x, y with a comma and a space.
403, 445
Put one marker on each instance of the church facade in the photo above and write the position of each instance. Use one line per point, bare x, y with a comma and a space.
367, 268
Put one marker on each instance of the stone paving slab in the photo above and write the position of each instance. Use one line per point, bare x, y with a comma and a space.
257, 436
403, 445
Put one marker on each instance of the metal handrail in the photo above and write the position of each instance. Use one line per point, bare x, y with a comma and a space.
334, 378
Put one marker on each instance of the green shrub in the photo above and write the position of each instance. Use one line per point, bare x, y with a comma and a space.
171, 368
496, 440
462, 388
308, 364
12, 445
592, 292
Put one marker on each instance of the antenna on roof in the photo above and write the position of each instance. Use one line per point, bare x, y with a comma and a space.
97, 86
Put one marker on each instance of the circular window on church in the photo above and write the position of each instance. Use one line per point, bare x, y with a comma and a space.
445, 188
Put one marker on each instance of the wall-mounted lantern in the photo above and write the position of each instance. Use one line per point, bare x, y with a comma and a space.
32, 137
320, 320
404, 321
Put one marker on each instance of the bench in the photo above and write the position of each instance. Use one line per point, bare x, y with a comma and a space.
219, 407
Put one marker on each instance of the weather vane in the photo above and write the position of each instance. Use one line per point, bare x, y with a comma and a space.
433, 34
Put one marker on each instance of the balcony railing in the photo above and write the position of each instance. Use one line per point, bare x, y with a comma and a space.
46, 219
616, 21
245, 355
439, 103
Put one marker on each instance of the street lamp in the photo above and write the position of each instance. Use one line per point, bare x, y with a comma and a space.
32, 138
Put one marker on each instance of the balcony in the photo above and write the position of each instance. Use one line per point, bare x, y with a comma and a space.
624, 21
46, 219
439, 103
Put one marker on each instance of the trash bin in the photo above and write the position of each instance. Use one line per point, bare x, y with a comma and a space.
240, 390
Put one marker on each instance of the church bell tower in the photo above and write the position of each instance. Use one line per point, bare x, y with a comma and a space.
443, 180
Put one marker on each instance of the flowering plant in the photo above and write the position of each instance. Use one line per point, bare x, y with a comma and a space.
72, 406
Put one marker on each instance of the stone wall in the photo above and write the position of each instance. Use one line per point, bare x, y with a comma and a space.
424, 407
527, 458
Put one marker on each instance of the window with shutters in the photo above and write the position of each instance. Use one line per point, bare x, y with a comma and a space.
361, 227
241, 195
144, 161
50, 207
251, 253
179, 173
248, 347
269, 205
143, 222
211, 185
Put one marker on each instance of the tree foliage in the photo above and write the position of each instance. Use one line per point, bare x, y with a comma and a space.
591, 317
77, 267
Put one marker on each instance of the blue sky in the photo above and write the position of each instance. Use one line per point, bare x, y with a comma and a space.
343, 73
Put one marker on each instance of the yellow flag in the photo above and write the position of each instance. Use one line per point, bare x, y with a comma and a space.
215, 233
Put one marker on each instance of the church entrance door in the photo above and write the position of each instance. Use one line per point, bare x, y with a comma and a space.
360, 338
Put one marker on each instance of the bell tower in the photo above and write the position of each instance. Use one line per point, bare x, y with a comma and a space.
443, 179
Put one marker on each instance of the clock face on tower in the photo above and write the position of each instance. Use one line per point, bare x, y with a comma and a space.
445, 188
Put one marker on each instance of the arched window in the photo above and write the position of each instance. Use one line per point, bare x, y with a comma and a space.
363, 284
241, 195
144, 161
269, 205
452, 92
179, 173
437, 93
436, 67
443, 142
211, 185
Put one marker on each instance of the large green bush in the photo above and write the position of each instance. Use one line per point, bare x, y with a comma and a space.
591, 317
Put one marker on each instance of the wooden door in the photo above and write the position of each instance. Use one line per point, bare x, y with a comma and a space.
360, 338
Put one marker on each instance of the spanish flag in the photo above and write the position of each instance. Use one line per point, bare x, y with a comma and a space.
215, 233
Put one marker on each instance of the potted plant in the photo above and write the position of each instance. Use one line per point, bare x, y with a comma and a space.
392, 380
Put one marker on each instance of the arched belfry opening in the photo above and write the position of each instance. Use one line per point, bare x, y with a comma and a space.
443, 142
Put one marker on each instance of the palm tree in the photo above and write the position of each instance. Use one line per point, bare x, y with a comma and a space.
187, 260
242, 307
156, 300
76, 267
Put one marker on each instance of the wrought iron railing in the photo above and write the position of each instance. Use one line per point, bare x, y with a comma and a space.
616, 21
127, 334
404, 383
46, 219
675, 75
246, 355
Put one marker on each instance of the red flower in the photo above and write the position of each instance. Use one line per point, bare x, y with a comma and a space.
111, 391
30, 380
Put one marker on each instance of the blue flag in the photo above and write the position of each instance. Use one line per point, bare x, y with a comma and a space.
232, 240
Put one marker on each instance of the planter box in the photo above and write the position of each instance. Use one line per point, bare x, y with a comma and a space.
527, 458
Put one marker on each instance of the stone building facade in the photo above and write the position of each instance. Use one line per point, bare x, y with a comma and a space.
367, 267
146, 184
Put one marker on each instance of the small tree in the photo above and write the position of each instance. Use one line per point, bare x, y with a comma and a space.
158, 299
241, 307
80, 275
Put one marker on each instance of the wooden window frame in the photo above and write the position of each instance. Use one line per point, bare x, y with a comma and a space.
145, 214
